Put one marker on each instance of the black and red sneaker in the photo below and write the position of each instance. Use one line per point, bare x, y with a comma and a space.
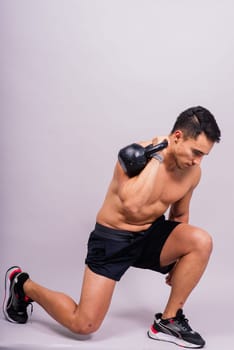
15, 301
176, 330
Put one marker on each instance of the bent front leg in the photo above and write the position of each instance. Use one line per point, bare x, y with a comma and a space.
192, 247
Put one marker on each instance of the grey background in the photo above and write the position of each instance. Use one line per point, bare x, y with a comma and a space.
79, 80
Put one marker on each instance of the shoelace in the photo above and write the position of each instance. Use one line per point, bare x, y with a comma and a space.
183, 321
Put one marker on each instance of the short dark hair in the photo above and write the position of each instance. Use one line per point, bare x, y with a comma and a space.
195, 120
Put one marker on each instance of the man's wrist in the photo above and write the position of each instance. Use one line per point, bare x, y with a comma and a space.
158, 156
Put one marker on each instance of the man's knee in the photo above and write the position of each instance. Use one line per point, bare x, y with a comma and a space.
85, 326
202, 242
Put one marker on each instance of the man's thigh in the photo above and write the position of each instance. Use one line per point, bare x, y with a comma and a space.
181, 241
95, 297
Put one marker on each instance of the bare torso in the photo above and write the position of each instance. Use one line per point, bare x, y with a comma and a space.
168, 187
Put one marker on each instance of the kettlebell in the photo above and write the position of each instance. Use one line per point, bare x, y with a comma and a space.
133, 158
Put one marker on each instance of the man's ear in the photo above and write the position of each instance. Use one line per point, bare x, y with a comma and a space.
178, 134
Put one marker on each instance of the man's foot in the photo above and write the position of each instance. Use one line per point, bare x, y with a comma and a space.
15, 301
176, 330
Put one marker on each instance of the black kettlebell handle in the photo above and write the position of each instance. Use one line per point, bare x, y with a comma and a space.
151, 149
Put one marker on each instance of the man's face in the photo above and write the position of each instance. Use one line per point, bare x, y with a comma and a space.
190, 152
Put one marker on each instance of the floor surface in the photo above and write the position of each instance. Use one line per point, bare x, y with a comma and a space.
140, 294
121, 330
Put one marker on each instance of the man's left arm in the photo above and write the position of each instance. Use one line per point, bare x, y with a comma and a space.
179, 211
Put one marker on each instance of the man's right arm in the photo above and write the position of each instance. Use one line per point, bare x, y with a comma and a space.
135, 192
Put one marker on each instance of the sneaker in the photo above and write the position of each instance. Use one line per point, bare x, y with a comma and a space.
176, 330
15, 301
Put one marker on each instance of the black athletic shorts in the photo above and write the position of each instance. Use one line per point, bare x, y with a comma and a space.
111, 252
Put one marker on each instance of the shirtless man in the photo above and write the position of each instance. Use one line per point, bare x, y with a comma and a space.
132, 230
